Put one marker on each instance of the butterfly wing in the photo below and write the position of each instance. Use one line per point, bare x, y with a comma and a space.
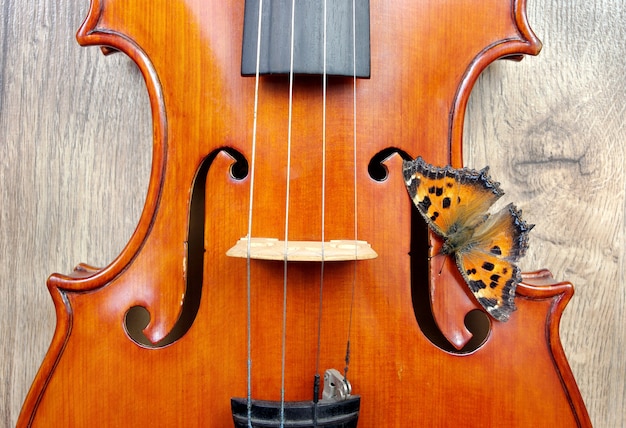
492, 281
450, 198
487, 262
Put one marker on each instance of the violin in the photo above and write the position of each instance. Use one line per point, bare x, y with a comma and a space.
279, 274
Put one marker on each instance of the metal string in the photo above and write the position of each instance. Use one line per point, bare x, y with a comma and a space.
287, 199
323, 225
355, 171
249, 236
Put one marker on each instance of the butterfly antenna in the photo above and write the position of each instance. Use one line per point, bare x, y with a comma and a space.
442, 265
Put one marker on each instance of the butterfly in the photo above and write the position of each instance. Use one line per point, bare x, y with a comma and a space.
455, 203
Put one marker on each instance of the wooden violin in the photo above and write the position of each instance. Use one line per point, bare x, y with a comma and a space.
279, 274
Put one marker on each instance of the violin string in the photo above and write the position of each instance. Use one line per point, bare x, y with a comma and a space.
287, 199
250, 210
323, 213
355, 171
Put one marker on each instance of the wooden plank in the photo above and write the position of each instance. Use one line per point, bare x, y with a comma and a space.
75, 139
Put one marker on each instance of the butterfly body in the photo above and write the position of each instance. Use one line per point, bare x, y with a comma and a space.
455, 204
458, 239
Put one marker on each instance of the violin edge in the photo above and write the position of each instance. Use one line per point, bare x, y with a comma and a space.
527, 43
62, 332
540, 285
85, 277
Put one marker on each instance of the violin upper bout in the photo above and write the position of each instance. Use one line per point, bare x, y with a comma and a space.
517, 41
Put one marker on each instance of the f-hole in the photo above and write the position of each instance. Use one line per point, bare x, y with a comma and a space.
138, 317
476, 321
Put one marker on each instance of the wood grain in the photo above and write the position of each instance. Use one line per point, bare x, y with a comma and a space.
552, 130
75, 133
64, 199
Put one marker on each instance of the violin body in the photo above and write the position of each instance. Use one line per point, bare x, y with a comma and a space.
160, 335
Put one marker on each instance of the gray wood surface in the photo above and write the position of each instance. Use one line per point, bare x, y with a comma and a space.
75, 137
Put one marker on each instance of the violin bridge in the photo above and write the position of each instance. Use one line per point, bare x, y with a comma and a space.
302, 251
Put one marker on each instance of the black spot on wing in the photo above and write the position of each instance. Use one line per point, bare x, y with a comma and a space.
496, 250
495, 280
437, 191
445, 203
477, 285
488, 266
487, 303
425, 204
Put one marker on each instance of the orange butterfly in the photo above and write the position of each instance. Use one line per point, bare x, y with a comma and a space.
454, 203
